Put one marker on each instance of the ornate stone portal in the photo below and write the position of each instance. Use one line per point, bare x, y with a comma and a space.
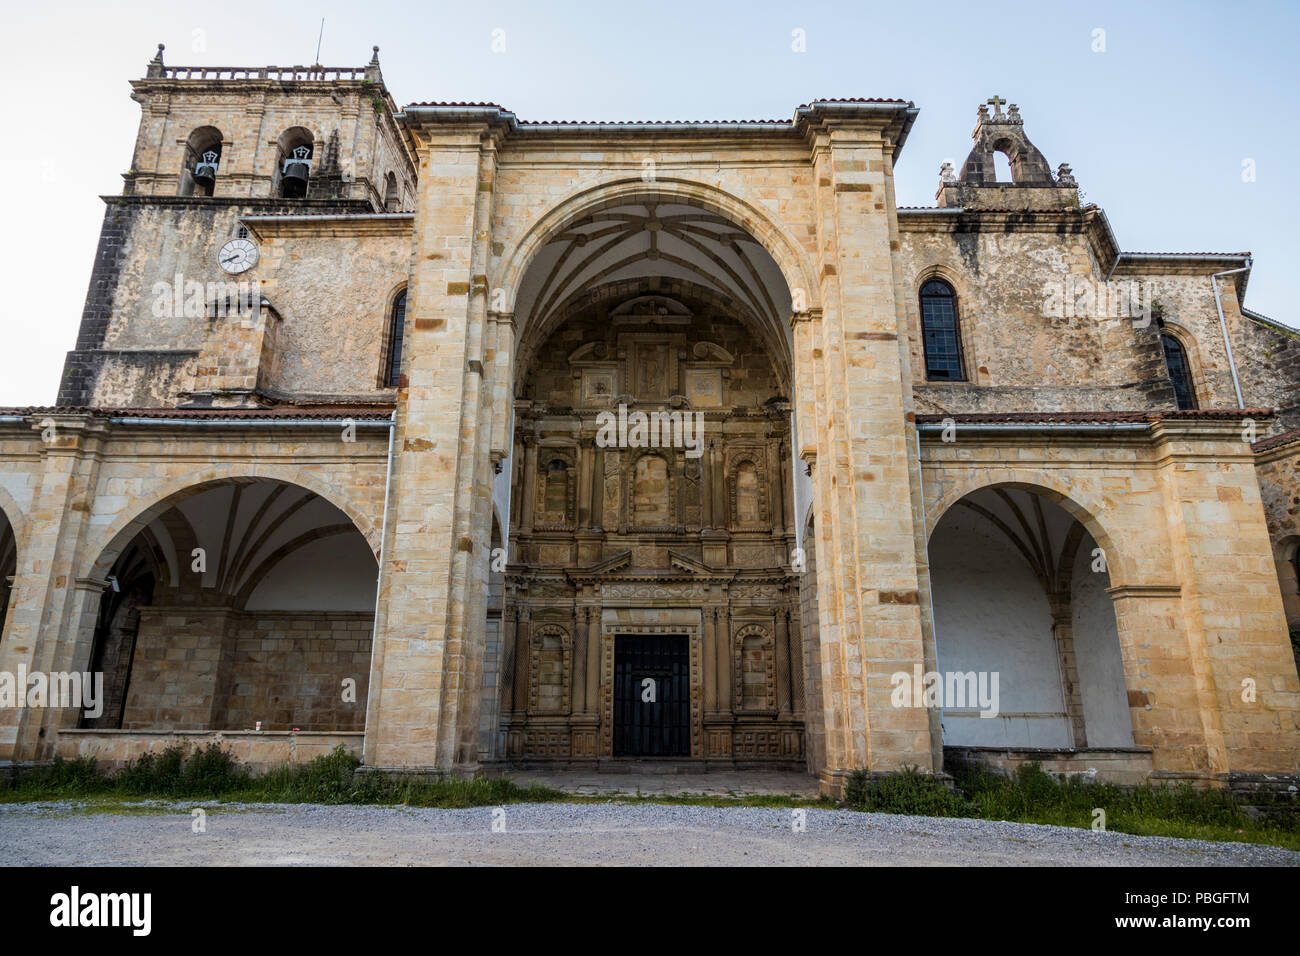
652, 531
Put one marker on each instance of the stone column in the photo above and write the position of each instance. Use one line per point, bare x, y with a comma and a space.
578, 696
594, 636
508, 649
1071, 687
706, 488
724, 651
797, 687
709, 680
721, 519
523, 650
782, 661
585, 456
528, 490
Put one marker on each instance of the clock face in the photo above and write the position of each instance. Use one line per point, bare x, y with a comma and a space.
238, 255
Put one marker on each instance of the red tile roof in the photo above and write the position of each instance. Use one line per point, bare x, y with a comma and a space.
1277, 441
376, 412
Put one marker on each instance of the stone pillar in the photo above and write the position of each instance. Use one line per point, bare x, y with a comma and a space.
578, 697
508, 650
710, 638
724, 652
585, 456
721, 518
706, 489
528, 490
53, 616
797, 689
782, 661
1071, 687
1243, 679
594, 636
854, 420
523, 651
426, 675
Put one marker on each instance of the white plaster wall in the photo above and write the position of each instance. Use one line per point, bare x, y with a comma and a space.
1097, 655
991, 614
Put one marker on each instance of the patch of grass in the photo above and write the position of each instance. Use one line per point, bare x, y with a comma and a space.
908, 791
212, 773
1034, 796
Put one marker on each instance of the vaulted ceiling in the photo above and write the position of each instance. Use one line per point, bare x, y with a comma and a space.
671, 240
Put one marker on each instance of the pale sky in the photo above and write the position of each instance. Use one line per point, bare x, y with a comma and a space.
1157, 127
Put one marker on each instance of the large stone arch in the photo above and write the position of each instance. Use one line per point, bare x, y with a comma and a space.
1093, 685
793, 263
1083, 507
166, 495
225, 621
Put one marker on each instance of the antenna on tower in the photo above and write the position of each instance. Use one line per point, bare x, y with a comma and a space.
319, 39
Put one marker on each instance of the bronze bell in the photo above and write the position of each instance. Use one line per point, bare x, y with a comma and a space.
297, 170
205, 170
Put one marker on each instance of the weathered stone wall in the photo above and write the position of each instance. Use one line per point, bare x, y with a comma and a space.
333, 288
1010, 273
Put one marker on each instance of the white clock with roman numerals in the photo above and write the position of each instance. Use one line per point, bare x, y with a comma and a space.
238, 255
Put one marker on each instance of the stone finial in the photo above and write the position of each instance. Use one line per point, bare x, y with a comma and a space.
1065, 176
373, 73
947, 174
155, 68
1013, 114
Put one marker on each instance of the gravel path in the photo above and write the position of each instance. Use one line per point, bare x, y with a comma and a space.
575, 834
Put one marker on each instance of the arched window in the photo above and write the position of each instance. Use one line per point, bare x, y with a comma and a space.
1180, 371
392, 202
939, 332
396, 329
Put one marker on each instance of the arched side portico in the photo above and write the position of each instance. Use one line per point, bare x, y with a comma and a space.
1169, 525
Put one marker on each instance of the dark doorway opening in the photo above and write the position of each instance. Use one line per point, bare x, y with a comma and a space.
652, 702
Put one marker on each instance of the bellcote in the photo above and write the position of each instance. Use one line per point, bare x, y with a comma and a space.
1032, 184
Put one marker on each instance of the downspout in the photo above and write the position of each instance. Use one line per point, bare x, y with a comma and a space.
379, 575
929, 579
1223, 324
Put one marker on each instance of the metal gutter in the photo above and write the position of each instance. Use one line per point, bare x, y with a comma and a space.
1046, 427
256, 422
379, 575
1223, 324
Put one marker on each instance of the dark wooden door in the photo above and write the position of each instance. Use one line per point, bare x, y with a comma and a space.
658, 727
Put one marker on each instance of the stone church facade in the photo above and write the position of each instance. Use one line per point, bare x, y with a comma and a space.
470, 442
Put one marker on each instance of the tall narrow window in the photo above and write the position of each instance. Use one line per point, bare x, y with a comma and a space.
393, 373
1180, 372
939, 332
